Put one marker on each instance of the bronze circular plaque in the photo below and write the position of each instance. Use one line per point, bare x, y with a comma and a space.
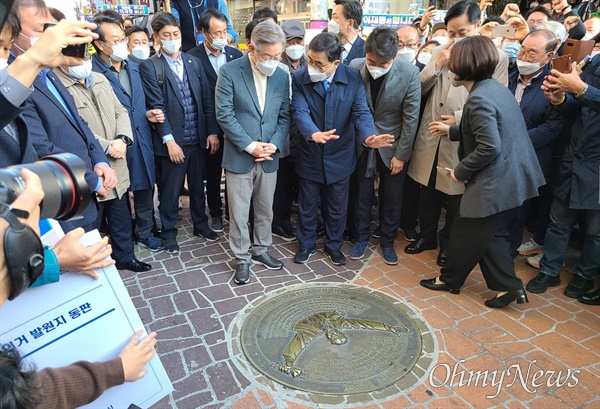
331, 339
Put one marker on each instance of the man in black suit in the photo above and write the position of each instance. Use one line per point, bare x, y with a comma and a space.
175, 83
54, 123
345, 21
213, 53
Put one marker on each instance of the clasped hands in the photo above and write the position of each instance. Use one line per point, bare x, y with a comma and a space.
373, 141
263, 151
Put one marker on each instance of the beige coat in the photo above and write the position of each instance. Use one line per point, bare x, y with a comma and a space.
444, 99
105, 116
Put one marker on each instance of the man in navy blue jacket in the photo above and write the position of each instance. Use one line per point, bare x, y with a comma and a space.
54, 123
330, 109
544, 125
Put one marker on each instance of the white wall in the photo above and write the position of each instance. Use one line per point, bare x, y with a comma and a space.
66, 6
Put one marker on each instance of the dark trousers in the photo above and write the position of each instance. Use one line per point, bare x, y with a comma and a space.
390, 201
484, 241
118, 216
143, 202
409, 216
214, 173
336, 202
431, 201
172, 176
287, 183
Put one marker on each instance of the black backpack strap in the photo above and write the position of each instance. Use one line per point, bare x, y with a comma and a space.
159, 68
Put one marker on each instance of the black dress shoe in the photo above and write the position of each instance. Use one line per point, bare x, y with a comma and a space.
268, 261
504, 300
208, 234
420, 246
430, 284
242, 273
336, 256
410, 234
540, 283
592, 298
134, 265
442, 258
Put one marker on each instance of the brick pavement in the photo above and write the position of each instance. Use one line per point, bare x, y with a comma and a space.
192, 303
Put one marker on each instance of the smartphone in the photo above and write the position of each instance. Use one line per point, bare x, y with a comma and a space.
578, 49
432, 3
562, 64
81, 51
5, 6
442, 170
504, 30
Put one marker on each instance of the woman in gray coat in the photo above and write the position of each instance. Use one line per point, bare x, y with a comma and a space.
499, 169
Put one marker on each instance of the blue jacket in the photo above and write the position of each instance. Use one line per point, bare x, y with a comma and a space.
140, 157
53, 130
343, 108
544, 124
357, 50
579, 177
169, 100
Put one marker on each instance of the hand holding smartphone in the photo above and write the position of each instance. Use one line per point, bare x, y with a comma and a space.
80, 51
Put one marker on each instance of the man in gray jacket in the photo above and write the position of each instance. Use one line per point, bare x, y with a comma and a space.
253, 109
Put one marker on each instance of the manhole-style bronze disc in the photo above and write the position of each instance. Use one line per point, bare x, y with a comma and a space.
331, 340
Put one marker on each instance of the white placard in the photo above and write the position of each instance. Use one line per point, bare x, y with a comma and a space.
77, 319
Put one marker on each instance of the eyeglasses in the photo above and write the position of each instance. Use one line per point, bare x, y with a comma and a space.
119, 41
530, 55
265, 57
318, 66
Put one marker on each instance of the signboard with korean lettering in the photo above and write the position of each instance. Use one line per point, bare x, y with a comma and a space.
387, 20
77, 319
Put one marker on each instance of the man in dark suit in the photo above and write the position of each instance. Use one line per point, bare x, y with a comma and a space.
346, 19
124, 77
331, 111
175, 84
213, 53
393, 90
253, 109
53, 121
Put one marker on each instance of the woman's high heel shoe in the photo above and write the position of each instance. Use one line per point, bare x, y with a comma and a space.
504, 300
431, 284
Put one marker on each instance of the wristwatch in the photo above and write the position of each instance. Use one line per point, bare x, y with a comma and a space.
128, 141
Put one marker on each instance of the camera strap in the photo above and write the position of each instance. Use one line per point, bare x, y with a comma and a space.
23, 250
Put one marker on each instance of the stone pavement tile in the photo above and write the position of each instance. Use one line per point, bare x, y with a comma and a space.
222, 380
371, 274
575, 397
589, 319
437, 319
381, 282
537, 321
294, 405
200, 299
508, 350
569, 352
577, 332
556, 313
189, 280
214, 338
190, 384
546, 402
218, 292
493, 334
502, 319
170, 321
516, 380
204, 320
420, 394
160, 291
473, 324
515, 405
459, 346
265, 397
482, 396
174, 365
184, 301
400, 402
231, 305
177, 332
448, 403
247, 401
591, 344
219, 352
484, 362
589, 380
196, 358
198, 400
162, 306
450, 306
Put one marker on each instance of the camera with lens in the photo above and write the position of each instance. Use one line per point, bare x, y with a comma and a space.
66, 192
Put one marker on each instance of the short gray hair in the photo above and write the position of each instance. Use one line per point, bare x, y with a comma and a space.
555, 28
267, 32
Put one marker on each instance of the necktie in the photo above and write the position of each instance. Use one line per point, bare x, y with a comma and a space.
326, 85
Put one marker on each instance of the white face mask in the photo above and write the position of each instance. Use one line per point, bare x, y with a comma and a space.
81, 71
267, 67
170, 46
119, 52
316, 75
3, 63
378, 72
218, 43
295, 52
406, 54
32, 40
589, 36
424, 58
527, 68
141, 51
333, 27
441, 39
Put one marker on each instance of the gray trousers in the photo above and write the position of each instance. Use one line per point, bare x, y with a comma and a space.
258, 186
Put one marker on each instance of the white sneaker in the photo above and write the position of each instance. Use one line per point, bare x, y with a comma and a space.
534, 261
529, 248
181, 205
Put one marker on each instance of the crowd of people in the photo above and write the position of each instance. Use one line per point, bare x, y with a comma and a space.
338, 128
411, 121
